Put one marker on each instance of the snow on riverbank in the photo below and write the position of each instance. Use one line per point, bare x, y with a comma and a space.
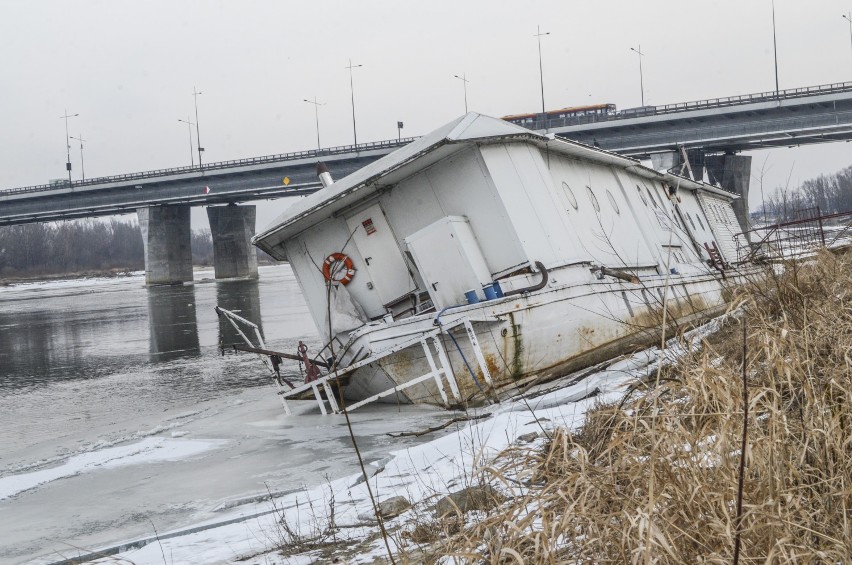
340, 511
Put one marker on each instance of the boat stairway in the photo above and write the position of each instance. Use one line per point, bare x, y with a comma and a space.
436, 356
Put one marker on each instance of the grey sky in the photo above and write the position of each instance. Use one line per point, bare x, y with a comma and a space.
129, 67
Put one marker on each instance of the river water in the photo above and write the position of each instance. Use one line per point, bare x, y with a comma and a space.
118, 414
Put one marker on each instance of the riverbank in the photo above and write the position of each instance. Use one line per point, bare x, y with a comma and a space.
87, 274
103, 273
640, 459
336, 518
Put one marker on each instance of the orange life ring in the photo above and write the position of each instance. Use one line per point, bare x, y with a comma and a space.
331, 267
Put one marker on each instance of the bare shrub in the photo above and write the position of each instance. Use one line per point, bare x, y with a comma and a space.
587, 498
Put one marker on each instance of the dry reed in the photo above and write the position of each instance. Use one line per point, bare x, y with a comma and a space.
587, 495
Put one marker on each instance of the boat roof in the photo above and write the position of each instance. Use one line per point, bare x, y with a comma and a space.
472, 128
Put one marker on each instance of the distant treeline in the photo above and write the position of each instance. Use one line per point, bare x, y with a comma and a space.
82, 246
829, 193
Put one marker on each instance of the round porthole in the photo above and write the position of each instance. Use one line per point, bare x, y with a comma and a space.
642, 196
569, 194
594, 199
613, 202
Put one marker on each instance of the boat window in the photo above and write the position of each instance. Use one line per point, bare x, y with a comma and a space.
569, 194
651, 196
642, 196
700, 222
690, 220
594, 199
613, 202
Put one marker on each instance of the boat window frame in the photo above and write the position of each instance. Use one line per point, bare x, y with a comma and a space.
651, 196
593, 198
642, 196
569, 193
612, 202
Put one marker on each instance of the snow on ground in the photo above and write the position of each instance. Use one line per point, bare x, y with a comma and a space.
423, 472
86, 282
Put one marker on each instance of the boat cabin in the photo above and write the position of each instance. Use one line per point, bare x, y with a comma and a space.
480, 200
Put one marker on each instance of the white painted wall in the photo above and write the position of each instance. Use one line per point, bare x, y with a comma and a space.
458, 186
526, 186
620, 231
384, 264
306, 253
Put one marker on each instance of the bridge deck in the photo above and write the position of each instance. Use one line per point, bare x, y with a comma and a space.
815, 114
314, 154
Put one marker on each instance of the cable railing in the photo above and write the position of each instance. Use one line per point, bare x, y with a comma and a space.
795, 238
281, 157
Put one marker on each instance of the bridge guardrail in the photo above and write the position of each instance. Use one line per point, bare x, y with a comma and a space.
281, 157
538, 125
722, 102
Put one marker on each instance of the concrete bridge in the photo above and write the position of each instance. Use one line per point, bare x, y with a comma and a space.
709, 133
162, 200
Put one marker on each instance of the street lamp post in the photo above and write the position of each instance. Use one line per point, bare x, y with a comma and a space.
538, 36
464, 80
316, 116
352, 91
82, 163
641, 80
399, 131
197, 132
67, 143
775, 47
848, 18
189, 125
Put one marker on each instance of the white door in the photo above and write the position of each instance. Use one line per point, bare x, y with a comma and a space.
383, 260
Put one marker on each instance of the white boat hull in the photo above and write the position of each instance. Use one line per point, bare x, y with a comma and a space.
545, 334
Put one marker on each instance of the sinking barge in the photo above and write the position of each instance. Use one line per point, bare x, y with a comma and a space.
484, 255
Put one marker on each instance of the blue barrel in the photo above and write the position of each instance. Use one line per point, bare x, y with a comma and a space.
490, 293
497, 290
471, 297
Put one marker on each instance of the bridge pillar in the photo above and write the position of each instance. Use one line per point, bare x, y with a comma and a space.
167, 240
232, 227
732, 172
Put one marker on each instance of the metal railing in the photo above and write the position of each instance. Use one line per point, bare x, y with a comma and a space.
795, 238
281, 157
645, 111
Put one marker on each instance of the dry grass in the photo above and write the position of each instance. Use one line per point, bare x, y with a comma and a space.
588, 499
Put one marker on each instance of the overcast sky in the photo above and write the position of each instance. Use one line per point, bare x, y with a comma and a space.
129, 68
